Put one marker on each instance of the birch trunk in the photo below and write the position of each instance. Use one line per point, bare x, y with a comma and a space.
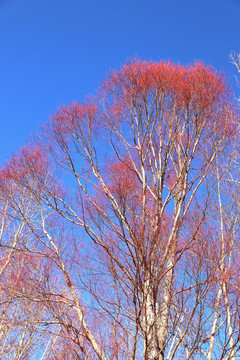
151, 346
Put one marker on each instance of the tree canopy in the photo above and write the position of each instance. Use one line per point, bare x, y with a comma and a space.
120, 223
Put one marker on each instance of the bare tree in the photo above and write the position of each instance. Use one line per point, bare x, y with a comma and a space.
126, 239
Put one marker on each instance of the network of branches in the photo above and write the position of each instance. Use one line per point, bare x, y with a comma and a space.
120, 223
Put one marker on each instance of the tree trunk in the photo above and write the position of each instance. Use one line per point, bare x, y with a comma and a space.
150, 314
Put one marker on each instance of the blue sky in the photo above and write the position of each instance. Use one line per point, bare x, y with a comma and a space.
56, 51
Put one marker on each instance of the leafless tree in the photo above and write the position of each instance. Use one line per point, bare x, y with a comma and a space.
124, 207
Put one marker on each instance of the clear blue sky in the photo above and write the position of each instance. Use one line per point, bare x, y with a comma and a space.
56, 51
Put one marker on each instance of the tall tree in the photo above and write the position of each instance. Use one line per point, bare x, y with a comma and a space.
129, 232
